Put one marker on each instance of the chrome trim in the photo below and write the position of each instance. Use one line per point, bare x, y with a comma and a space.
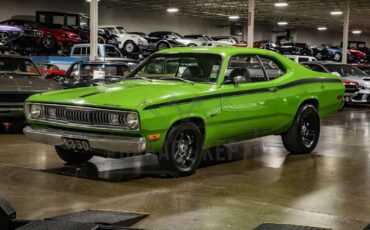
81, 125
98, 142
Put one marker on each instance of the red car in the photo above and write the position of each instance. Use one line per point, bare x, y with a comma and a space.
52, 38
50, 71
358, 55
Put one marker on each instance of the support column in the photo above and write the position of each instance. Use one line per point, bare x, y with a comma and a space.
93, 29
251, 6
345, 32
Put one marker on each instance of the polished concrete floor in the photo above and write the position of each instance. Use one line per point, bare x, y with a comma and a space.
239, 187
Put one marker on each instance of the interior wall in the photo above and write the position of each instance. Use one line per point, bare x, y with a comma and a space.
154, 21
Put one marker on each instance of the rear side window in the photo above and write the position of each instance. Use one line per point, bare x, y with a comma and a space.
77, 51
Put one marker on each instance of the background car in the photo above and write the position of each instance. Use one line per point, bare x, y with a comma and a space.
129, 43
353, 78
106, 52
94, 73
19, 78
168, 39
30, 39
8, 34
51, 71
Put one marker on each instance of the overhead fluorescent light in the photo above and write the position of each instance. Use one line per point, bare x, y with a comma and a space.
281, 4
234, 17
172, 10
336, 12
357, 32
322, 28
90, 0
282, 23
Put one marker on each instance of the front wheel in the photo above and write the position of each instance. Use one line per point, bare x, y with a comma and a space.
4, 39
162, 46
49, 42
337, 57
182, 150
304, 133
73, 157
130, 47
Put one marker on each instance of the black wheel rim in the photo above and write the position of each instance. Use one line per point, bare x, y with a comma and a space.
162, 46
4, 39
184, 149
48, 42
308, 129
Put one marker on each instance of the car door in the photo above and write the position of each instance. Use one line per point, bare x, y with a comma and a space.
249, 109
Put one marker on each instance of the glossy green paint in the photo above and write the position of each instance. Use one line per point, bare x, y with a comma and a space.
226, 118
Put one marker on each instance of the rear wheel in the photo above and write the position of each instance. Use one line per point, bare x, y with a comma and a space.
101, 40
130, 47
182, 150
337, 57
73, 157
304, 133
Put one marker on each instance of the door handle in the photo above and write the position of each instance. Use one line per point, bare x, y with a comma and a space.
273, 89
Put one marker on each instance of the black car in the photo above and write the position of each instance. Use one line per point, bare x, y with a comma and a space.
96, 73
30, 39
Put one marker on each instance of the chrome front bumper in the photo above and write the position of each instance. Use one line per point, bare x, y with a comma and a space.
104, 145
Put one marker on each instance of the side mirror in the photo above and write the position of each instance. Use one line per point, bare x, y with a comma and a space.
239, 80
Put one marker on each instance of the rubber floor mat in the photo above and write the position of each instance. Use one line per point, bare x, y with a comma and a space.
269, 226
60, 225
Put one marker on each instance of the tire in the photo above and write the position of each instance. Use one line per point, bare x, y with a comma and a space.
162, 46
102, 40
182, 150
337, 57
130, 47
192, 45
4, 39
73, 157
304, 133
49, 42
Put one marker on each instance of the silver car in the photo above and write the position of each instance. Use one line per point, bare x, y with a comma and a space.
19, 78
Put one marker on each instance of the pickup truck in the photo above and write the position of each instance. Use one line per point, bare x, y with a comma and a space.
106, 52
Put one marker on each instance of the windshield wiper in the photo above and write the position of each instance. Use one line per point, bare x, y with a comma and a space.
177, 78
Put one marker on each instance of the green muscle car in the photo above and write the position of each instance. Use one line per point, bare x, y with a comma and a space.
181, 101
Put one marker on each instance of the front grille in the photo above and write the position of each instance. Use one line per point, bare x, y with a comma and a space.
351, 88
84, 116
13, 98
358, 97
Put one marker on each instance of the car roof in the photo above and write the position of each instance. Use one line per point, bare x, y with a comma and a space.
222, 50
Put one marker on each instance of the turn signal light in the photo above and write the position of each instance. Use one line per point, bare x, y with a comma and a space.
154, 137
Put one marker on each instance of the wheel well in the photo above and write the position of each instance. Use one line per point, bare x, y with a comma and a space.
196, 120
313, 102
129, 41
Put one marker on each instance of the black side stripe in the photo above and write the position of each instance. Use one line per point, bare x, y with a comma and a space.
243, 92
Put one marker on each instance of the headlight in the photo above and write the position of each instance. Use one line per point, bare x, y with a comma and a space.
34, 111
113, 119
132, 120
140, 42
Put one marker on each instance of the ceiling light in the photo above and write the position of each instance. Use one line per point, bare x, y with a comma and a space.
357, 32
172, 10
336, 13
234, 17
90, 0
282, 23
322, 28
281, 4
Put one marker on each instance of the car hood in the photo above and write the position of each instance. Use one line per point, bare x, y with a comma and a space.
29, 84
128, 94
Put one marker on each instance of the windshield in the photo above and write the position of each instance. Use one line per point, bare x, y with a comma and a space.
346, 70
121, 30
101, 71
9, 65
195, 67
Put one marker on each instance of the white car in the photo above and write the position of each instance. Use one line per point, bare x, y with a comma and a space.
129, 43
106, 52
168, 39
300, 58
206, 40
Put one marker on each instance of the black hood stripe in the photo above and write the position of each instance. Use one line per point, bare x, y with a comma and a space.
243, 92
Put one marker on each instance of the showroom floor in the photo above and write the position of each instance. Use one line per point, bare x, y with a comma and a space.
260, 183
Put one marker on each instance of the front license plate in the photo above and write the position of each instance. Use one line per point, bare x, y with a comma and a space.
77, 145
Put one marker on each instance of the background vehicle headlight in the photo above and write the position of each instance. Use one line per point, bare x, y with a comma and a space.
132, 120
113, 119
35, 111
